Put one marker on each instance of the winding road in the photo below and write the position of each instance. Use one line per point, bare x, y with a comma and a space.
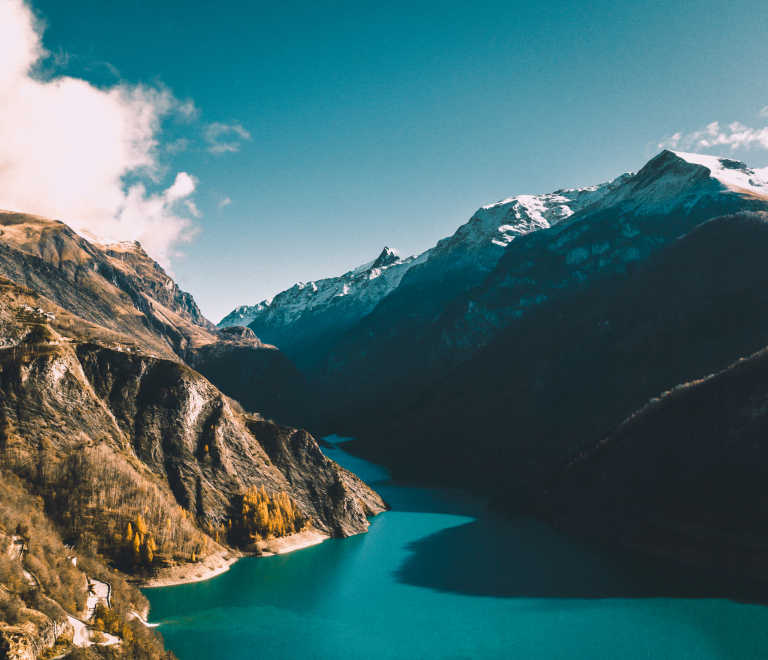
83, 634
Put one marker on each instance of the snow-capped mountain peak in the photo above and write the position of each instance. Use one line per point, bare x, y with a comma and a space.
483, 238
364, 285
387, 257
682, 180
732, 173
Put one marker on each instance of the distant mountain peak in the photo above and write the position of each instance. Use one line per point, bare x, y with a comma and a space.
674, 179
732, 173
356, 291
388, 256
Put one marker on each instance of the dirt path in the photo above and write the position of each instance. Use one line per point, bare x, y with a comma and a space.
83, 634
16, 551
98, 592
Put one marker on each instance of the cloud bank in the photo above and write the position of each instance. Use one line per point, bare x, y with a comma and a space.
734, 136
67, 147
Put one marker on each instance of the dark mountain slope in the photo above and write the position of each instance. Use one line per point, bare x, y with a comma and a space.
570, 371
259, 376
685, 476
379, 365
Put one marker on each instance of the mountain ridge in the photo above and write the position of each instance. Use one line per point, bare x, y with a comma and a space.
120, 448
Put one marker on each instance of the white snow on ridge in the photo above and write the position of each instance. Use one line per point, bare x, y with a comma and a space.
244, 314
680, 180
364, 286
479, 242
733, 173
669, 180
497, 225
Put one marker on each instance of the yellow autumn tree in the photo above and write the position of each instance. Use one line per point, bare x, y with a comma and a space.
268, 516
137, 549
141, 526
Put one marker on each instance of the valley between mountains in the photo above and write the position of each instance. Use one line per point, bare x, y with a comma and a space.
554, 353
591, 357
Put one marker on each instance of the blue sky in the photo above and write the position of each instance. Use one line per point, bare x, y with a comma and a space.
375, 124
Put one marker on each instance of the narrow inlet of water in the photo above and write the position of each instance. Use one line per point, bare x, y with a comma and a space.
443, 576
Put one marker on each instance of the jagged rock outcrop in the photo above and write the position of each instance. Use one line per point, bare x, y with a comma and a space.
29, 639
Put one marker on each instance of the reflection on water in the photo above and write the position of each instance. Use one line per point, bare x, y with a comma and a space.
441, 576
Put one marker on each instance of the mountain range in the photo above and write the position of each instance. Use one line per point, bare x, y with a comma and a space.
527, 339
594, 357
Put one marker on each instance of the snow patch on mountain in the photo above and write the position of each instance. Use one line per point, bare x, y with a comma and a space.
680, 180
478, 243
244, 314
495, 226
732, 173
361, 287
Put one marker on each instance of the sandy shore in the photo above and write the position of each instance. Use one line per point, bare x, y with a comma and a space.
298, 541
218, 563
209, 567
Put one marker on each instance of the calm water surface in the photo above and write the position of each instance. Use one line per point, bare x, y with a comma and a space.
442, 576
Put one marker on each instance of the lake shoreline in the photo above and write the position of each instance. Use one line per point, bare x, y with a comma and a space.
220, 562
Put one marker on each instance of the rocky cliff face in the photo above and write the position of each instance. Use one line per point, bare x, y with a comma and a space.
59, 391
185, 431
138, 459
111, 438
137, 307
30, 639
117, 287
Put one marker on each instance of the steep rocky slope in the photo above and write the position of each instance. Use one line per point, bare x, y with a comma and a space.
61, 390
115, 286
132, 456
121, 289
381, 364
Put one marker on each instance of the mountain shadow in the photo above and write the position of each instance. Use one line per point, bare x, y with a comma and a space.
532, 560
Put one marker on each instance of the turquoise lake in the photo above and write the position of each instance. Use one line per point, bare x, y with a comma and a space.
443, 576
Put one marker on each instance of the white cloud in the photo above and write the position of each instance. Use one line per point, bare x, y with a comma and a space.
734, 136
224, 137
224, 201
66, 147
764, 112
